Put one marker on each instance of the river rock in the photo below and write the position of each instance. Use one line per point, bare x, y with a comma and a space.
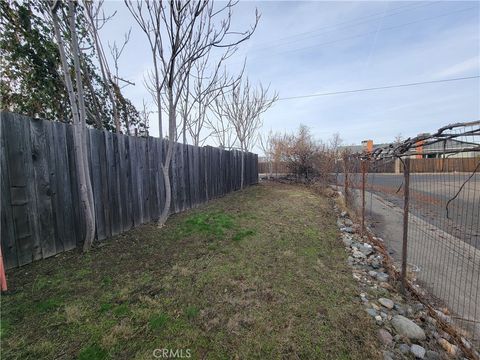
432, 355
407, 328
357, 254
386, 302
366, 249
418, 351
382, 277
449, 348
404, 348
385, 337
347, 240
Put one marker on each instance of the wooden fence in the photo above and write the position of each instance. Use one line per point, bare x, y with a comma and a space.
40, 216
452, 164
276, 167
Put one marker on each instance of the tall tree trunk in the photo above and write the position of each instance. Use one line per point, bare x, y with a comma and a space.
158, 95
168, 159
242, 177
79, 123
85, 171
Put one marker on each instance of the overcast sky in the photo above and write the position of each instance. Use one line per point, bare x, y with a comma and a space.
303, 48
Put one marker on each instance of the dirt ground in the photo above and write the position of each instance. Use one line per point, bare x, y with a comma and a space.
259, 273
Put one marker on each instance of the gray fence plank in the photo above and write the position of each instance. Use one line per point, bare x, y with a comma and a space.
68, 186
129, 188
40, 157
15, 133
145, 178
117, 186
136, 208
112, 183
123, 183
96, 138
8, 240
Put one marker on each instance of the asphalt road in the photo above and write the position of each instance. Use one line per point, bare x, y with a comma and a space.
429, 195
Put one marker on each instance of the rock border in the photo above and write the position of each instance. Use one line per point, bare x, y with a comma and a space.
408, 327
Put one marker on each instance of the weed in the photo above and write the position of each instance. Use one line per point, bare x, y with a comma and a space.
158, 321
105, 307
107, 281
73, 313
93, 352
49, 304
4, 328
242, 234
121, 310
40, 283
80, 274
191, 312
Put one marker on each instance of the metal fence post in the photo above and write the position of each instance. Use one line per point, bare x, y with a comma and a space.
406, 186
345, 180
363, 166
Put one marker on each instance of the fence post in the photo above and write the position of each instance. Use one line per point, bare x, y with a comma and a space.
406, 186
363, 166
345, 180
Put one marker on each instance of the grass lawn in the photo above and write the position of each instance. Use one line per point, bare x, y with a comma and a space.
256, 274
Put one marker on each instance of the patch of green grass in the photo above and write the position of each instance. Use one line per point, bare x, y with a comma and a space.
121, 310
158, 321
242, 234
48, 305
311, 232
41, 283
4, 328
191, 312
208, 223
106, 307
107, 281
82, 273
93, 352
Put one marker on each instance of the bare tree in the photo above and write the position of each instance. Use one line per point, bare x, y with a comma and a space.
222, 131
334, 147
180, 33
97, 19
116, 52
267, 144
77, 102
243, 106
207, 87
144, 114
398, 138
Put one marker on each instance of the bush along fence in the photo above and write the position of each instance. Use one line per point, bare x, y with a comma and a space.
39, 189
429, 222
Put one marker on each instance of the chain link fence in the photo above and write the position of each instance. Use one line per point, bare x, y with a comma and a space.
421, 197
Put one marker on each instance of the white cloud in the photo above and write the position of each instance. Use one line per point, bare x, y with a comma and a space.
462, 68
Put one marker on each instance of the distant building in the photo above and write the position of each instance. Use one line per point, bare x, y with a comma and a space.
366, 146
443, 149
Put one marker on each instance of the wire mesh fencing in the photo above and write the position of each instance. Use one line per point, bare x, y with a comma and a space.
422, 198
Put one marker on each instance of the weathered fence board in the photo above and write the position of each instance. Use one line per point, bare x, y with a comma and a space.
40, 208
40, 157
